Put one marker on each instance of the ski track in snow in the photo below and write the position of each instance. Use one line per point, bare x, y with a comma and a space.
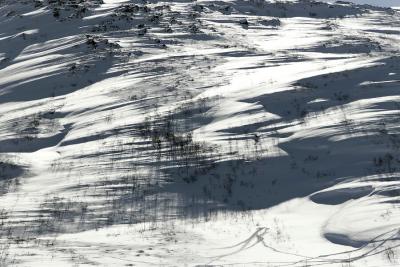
207, 133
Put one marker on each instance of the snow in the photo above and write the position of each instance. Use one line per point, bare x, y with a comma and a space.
228, 133
384, 3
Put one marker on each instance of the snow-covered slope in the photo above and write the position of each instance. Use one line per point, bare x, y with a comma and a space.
206, 133
382, 3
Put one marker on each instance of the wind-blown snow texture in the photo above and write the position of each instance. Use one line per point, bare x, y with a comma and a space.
181, 133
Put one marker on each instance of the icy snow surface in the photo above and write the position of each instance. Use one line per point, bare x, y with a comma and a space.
199, 133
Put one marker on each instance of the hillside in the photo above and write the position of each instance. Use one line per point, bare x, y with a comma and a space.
199, 133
